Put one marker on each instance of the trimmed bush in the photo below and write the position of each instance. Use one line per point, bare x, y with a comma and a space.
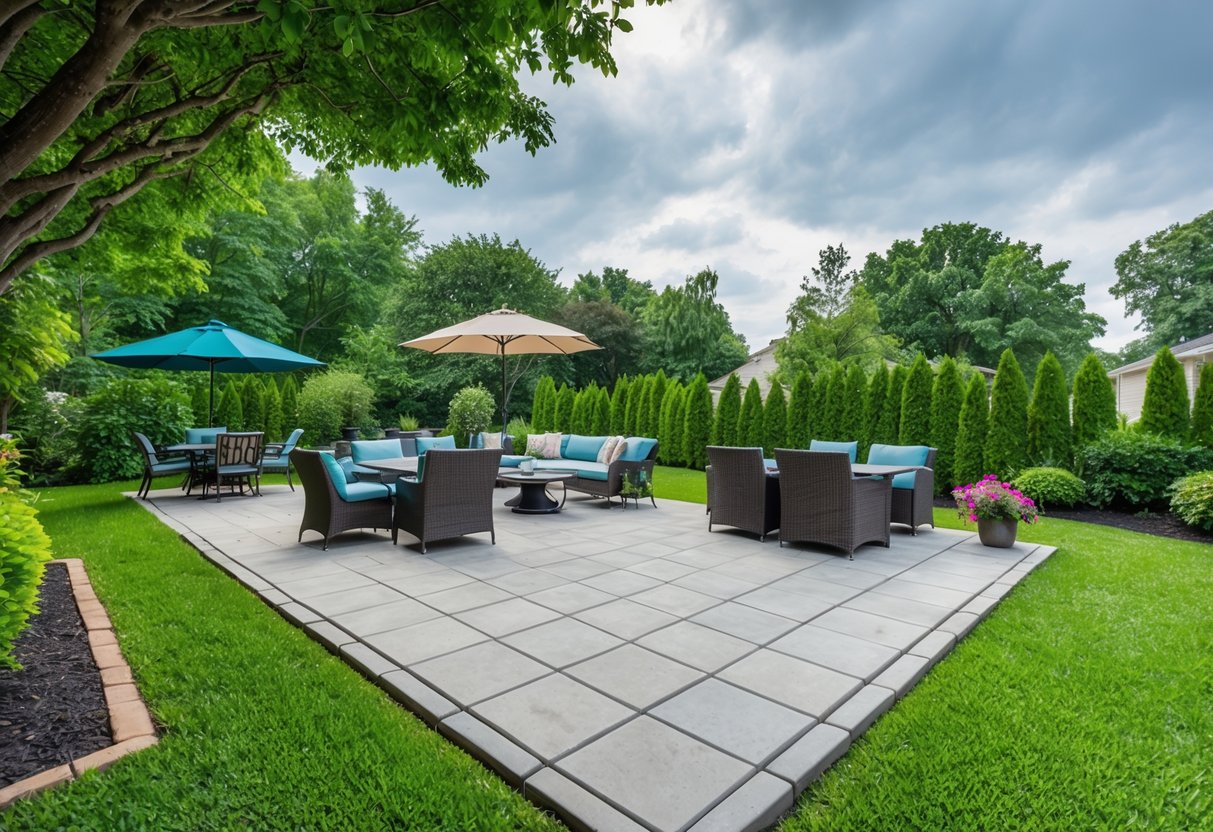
471, 411
1164, 411
1202, 409
519, 429
583, 411
250, 402
229, 407
1094, 408
543, 406
774, 421
200, 403
290, 403
971, 432
601, 423
697, 432
818, 403
799, 408
831, 427
749, 426
728, 412
156, 407
1192, 499
854, 405
562, 417
947, 398
668, 451
619, 405
333, 400
271, 404
678, 412
653, 398
874, 405
914, 427
24, 551
1006, 440
1051, 487
1131, 470
635, 403
890, 420
1049, 416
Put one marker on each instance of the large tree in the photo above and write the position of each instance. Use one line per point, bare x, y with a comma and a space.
1168, 280
686, 331
102, 99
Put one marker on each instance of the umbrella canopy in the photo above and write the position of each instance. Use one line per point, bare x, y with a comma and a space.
214, 346
504, 332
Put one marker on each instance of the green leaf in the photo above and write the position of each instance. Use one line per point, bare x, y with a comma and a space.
623, 25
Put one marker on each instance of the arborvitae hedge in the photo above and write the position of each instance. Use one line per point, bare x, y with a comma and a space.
947, 397
602, 413
290, 404
543, 408
271, 403
854, 403
678, 412
698, 431
890, 420
636, 391
619, 405
667, 450
775, 421
971, 433
1164, 412
562, 421
229, 409
831, 427
1049, 416
874, 406
656, 392
250, 403
1202, 409
749, 426
1007, 440
914, 427
583, 410
1094, 403
817, 405
728, 412
799, 409
200, 403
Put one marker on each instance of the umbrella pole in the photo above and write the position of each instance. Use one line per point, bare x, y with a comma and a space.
504, 392
210, 419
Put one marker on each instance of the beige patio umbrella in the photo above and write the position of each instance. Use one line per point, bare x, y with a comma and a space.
504, 332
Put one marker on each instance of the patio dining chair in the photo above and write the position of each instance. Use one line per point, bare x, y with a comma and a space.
740, 493
821, 502
158, 464
912, 492
277, 456
333, 502
237, 462
452, 497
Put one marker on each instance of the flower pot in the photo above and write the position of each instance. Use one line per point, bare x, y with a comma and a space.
997, 534
349, 434
391, 433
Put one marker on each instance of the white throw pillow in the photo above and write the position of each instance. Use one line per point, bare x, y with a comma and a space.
620, 447
492, 441
534, 445
608, 447
551, 446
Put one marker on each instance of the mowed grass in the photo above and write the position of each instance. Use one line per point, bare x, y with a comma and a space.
263, 729
1082, 702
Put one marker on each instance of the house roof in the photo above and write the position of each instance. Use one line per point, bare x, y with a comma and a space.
1197, 346
759, 365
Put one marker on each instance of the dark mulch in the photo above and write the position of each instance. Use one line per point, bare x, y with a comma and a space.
1160, 523
53, 711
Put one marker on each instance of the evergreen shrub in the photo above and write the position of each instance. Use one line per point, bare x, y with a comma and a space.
1164, 410
799, 408
1131, 470
1006, 439
333, 400
728, 413
698, 430
774, 421
947, 398
1094, 405
1049, 432
971, 432
915, 424
749, 426
1192, 499
1051, 487
1202, 409
156, 407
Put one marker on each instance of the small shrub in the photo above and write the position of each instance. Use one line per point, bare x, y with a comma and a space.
24, 551
156, 407
410, 422
1133, 470
45, 430
471, 411
334, 400
1055, 487
519, 429
1192, 499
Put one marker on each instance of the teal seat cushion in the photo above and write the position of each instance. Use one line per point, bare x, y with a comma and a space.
585, 470
202, 436
584, 448
365, 449
769, 464
351, 490
173, 465
899, 455
359, 492
513, 460
637, 449
425, 443
848, 448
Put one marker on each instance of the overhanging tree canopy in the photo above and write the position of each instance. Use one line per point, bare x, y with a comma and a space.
99, 100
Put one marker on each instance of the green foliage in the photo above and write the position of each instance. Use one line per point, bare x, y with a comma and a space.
33, 334
1202, 409
1006, 441
583, 411
749, 424
542, 388
251, 403
45, 429
1192, 499
728, 413
668, 450
914, 426
653, 398
889, 429
971, 433
562, 418
155, 406
24, 551
1169, 281
1094, 407
333, 400
1049, 429
519, 429
687, 331
619, 406
600, 425
678, 413
832, 425
1164, 411
290, 404
271, 405
409, 422
947, 399
229, 408
818, 403
1051, 487
632, 419
200, 403
775, 421
799, 407
697, 432
471, 411
875, 403
854, 405
1131, 470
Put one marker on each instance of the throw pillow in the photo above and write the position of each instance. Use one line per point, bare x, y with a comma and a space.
608, 447
534, 445
620, 447
551, 446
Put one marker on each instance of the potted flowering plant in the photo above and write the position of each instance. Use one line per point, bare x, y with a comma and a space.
997, 507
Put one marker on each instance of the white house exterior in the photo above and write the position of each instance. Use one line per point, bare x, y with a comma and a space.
1130, 380
760, 365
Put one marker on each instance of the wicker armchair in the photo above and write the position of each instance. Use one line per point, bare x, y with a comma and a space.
912, 493
822, 503
326, 511
454, 497
740, 493
277, 456
237, 463
158, 464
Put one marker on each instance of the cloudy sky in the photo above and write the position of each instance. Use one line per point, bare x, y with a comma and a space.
746, 135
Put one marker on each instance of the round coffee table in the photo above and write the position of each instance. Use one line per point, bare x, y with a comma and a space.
533, 498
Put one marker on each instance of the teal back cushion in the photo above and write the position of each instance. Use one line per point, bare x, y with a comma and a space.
424, 443
335, 472
376, 449
583, 448
202, 436
292, 441
638, 448
848, 448
899, 455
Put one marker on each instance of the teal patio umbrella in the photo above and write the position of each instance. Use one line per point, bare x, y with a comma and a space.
214, 346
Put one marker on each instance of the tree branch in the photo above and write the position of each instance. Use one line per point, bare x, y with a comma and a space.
16, 22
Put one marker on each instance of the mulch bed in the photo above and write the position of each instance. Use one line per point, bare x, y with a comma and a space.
1161, 524
53, 711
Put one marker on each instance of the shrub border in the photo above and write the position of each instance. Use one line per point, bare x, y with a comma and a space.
131, 724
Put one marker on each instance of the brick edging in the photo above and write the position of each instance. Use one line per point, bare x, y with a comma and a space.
130, 723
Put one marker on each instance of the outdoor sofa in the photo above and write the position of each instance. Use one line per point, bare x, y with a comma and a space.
580, 454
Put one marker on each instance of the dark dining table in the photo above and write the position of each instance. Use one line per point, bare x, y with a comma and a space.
864, 469
398, 465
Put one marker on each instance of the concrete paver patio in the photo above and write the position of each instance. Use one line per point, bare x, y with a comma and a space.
628, 669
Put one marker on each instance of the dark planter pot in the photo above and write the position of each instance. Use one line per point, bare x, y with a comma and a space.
391, 433
997, 534
349, 434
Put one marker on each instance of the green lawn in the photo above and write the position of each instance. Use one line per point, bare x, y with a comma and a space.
1081, 703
